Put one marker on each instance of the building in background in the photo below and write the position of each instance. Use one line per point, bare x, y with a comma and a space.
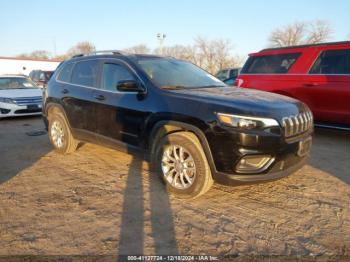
23, 66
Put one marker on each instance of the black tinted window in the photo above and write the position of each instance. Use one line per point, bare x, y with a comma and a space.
332, 62
234, 73
65, 73
112, 74
85, 73
270, 64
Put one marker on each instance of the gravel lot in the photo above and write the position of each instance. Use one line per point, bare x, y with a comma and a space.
98, 201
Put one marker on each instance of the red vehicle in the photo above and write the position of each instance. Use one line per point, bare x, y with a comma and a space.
318, 75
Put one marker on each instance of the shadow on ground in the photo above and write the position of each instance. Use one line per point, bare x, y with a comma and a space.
23, 143
133, 215
331, 153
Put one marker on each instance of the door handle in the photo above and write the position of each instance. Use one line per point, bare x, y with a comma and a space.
100, 97
65, 91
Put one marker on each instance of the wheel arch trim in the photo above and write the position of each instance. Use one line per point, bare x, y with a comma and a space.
51, 106
166, 127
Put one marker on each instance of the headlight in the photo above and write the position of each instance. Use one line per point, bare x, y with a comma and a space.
246, 122
6, 100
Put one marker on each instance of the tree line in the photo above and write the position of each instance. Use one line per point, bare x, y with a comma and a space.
213, 54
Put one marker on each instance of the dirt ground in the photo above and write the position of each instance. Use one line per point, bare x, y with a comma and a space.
98, 201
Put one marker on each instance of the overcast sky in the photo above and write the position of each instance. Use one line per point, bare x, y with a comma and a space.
37, 24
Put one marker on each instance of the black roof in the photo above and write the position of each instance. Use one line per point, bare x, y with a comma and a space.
302, 46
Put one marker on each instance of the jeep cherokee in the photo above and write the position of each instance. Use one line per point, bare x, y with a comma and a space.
193, 127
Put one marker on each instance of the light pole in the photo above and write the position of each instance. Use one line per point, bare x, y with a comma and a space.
161, 38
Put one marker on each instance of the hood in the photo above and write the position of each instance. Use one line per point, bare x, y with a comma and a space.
17, 93
246, 101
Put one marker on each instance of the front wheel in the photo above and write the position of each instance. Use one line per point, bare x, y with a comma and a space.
183, 165
60, 135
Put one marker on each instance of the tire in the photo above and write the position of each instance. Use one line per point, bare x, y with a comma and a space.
57, 124
170, 166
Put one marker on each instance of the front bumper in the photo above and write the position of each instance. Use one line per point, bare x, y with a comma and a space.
279, 170
229, 147
12, 110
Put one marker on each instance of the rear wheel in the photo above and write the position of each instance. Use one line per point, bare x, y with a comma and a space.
183, 165
60, 135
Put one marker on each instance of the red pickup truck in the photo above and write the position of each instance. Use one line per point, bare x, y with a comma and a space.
318, 75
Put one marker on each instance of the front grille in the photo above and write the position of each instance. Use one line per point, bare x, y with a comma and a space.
23, 101
296, 125
28, 111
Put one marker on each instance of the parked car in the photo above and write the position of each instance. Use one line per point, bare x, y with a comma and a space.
228, 75
318, 75
40, 77
19, 96
192, 126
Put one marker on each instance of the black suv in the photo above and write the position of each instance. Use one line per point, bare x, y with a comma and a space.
191, 125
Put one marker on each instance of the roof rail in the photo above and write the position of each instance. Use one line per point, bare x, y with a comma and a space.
113, 52
307, 45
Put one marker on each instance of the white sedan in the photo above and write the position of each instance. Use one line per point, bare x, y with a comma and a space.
19, 96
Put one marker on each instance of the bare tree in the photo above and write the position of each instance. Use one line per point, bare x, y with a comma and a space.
61, 57
178, 51
138, 49
214, 55
81, 48
319, 31
37, 54
301, 33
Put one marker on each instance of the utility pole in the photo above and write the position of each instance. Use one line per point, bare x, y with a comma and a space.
161, 38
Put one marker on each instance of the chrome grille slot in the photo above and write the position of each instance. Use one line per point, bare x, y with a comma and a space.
23, 101
296, 125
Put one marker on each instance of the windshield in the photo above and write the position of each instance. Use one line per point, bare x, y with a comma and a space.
172, 73
222, 75
16, 83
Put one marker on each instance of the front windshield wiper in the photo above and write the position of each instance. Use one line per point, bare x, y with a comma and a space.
21, 88
173, 87
208, 86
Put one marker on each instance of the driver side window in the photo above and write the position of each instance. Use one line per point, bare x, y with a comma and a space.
112, 74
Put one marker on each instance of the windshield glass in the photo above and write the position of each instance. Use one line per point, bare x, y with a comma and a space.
16, 83
172, 73
222, 75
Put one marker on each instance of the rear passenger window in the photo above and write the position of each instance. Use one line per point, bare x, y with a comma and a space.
112, 74
270, 64
85, 73
332, 62
65, 73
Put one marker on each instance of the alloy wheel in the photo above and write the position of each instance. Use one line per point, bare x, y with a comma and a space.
178, 167
57, 134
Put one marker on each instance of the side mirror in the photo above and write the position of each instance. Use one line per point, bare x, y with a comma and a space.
129, 86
